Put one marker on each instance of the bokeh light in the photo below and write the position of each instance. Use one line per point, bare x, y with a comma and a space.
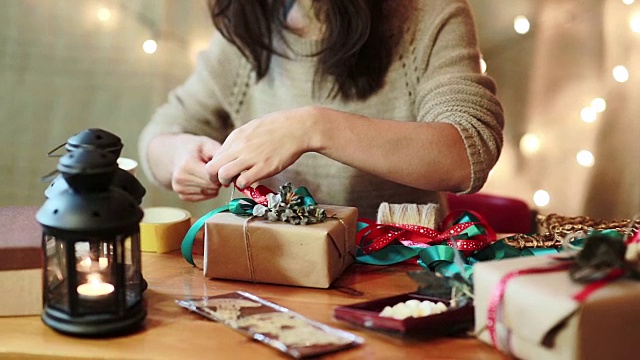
585, 158
541, 198
150, 46
521, 24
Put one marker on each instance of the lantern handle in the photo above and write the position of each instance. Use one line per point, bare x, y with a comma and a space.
52, 174
51, 152
48, 177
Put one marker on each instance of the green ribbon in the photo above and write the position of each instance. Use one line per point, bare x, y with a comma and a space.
440, 258
241, 206
389, 255
307, 199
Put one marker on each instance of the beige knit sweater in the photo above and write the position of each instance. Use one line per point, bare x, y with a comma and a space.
435, 77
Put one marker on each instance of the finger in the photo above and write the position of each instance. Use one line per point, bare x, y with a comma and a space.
196, 190
198, 194
231, 172
248, 177
209, 191
194, 198
209, 181
209, 149
223, 170
194, 176
212, 167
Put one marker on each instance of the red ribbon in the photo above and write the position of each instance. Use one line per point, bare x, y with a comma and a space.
258, 194
593, 286
498, 294
634, 239
382, 235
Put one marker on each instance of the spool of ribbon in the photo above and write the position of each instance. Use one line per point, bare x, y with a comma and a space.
162, 227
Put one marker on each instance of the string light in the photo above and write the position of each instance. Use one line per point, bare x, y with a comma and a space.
620, 74
521, 24
104, 14
588, 114
529, 144
541, 198
585, 158
150, 46
599, 105
634, 23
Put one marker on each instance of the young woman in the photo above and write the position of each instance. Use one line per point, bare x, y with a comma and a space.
361, 101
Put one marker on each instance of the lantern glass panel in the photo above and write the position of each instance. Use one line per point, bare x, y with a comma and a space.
133, 275
56, 274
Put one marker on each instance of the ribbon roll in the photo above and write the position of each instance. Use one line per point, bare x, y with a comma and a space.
162, 228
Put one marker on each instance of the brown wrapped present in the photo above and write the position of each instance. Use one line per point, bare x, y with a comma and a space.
538, 317
259, 250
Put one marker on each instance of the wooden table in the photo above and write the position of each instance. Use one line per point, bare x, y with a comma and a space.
172, 332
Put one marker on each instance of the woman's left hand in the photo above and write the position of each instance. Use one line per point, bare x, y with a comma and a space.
262, 148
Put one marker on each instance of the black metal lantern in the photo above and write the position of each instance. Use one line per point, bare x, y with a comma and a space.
105, 141
93, 283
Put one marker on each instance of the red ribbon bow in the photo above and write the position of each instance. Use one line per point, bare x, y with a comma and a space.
376, 236
258, 193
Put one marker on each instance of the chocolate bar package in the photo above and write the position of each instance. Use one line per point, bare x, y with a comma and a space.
271, 324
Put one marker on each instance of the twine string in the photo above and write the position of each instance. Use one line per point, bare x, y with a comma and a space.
345, 251
413, 214
247, 245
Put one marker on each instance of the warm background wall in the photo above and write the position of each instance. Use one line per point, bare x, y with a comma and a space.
63, 69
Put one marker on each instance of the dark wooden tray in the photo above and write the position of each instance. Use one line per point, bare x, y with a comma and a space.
366, 314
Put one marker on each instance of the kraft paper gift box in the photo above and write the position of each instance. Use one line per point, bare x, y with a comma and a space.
539, 319
264, 251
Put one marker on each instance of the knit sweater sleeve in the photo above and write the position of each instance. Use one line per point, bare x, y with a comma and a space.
451, 88
205, 103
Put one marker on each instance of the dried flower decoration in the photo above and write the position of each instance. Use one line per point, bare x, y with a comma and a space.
289, 206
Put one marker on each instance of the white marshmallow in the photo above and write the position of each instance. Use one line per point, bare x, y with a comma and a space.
413, 308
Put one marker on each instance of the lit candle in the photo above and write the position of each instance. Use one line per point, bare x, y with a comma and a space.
94, 288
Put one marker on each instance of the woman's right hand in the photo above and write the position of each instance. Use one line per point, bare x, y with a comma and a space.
178, 161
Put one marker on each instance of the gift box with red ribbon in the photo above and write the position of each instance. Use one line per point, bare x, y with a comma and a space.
535, 308
279, 238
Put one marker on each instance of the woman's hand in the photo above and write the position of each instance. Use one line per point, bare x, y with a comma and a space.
180, 161
262, 148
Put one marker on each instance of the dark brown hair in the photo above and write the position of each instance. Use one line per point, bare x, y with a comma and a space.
358, 41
